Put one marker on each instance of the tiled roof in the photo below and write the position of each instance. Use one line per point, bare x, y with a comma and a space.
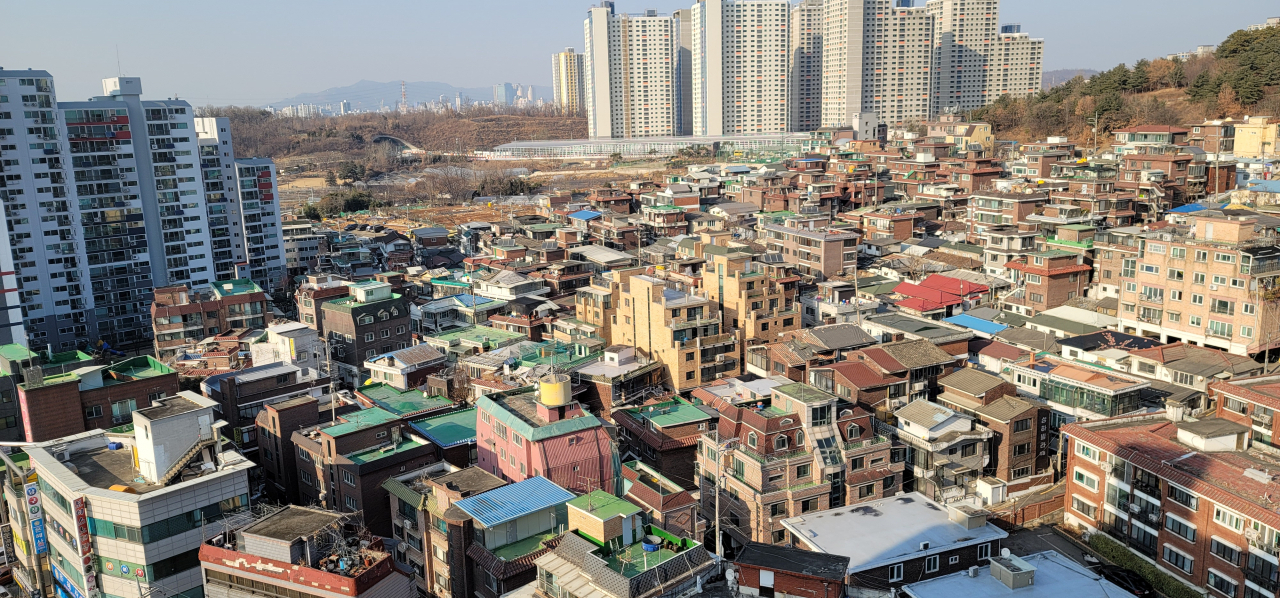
862, 376
953, 286
916, 353
970, 381
1004, 409
936, 296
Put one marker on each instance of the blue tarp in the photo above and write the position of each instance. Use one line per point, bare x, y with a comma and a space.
979, 324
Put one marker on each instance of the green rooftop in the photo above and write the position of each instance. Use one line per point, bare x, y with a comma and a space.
481, 336
604, 506
137, 368
1078, 227
804, 393
348, 303
1053, 253
402, 402
16, 352
632, 560
664, 208
670, 413
361, 420
544, 227
65, 357
52, 380
515, 550
449, 429
231, 288
381, 452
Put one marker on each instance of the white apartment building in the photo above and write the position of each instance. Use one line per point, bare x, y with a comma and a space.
566, 81
974, 63
805, 74
119, 529
43, 275
301, 246
682, 45
741, 67
629, 74
218, 171
263, 235
909, 62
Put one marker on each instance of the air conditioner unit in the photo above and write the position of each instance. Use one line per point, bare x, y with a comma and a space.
402, 547
1213, 287
410, 524
919, 385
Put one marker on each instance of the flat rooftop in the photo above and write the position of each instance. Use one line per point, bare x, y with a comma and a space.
449, 429
899, 524
292, 523
1056, 576
370, 455
402, 402
920, 327
361, 420
670, 413
169, 407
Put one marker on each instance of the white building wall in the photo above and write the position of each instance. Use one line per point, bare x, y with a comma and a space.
218, 170
805, 76
37, 190
260, 212
629, 74
744, 50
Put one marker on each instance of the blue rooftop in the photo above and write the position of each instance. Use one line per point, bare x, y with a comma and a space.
1189, 208
1263, 186
973, 323
511, 502
584, 215
470, 300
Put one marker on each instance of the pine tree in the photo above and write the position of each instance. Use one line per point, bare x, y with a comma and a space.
1138, 79
1178, 77
1202, 88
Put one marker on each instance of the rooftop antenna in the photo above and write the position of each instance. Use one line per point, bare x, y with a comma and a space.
119, 71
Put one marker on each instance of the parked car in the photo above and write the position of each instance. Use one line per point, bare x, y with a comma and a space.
1128, 580
350, 227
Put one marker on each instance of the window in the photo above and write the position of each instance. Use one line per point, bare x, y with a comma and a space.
866, 491
802, 471
368, 337
895, 572
1022, 449
808, 505
751, 439
92, 412
984, 551
1176, 525
1086, 451
1150, 269
931, 564
304, 476
351, 503
1085, 480
1183, 497
854, 431
1222, 583
1177, 559
779, 442
779, 536
348, 478
969, 450
1224, 551
1021, 472
1083, 507
778, 509
1022, 425
1226, 258
1228, 519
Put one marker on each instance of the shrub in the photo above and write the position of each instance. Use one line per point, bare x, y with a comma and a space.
1117, 553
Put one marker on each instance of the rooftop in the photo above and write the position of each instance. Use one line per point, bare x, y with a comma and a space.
518, 409
514, 501
1096, 376
449, 429
1055, 576
804, 393
231, 288
402, 402
169, 407
899, 525
361, 420
671, 413
602, 505
369, 455
293, 522
785, 558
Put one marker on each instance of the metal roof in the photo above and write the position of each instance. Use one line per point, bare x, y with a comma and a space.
975, 323
584, 215
507, 503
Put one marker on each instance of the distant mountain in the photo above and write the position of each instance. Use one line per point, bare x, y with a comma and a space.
365, 95
1051, 79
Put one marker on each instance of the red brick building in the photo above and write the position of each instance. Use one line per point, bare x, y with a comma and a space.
92, 398
1019, 449
664, 436
767, 570
181, 317
1049, 279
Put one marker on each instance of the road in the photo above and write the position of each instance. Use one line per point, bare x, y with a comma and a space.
1040, 539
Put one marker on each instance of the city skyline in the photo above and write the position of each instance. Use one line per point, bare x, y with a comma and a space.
515, 49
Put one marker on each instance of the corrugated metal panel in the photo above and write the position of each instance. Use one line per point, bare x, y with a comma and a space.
510, 502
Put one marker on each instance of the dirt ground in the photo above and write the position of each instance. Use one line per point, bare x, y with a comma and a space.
403, 219
304, 182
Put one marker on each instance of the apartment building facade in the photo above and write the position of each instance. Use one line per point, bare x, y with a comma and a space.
1204, 284
683, 331
263, 234
805, 75
815, 247
182, 317
371, 321
628, 70
221, 193
567, 85
789, 451
741, 67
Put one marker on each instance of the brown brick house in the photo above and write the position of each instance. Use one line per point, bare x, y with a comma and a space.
1019, 448
664, 436
91, 398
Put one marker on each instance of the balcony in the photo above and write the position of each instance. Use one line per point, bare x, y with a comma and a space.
1262, 580
861, 444
1261, 420
1266, 547
1209, 332
1085, 244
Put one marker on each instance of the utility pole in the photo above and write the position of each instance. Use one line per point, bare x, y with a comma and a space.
1094, 122
720, 478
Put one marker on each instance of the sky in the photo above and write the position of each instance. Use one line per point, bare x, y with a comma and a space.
254, 52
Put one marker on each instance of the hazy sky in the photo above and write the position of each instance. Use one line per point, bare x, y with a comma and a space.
254, 52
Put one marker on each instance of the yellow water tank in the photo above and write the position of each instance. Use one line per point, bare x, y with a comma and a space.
554, 390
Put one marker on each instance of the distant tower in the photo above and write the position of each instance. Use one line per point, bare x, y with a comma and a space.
404, 99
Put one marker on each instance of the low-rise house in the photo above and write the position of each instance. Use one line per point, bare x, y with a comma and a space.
406, 368
1191, 366
1048, 574
783, 571
181, 316
452, 434
919, 362
618, 378
1076, 390
786, 450
513, 526
665, 436
665, 503
947, 452
915, 538
294, 550
91, 397
1019, 448
891, 327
